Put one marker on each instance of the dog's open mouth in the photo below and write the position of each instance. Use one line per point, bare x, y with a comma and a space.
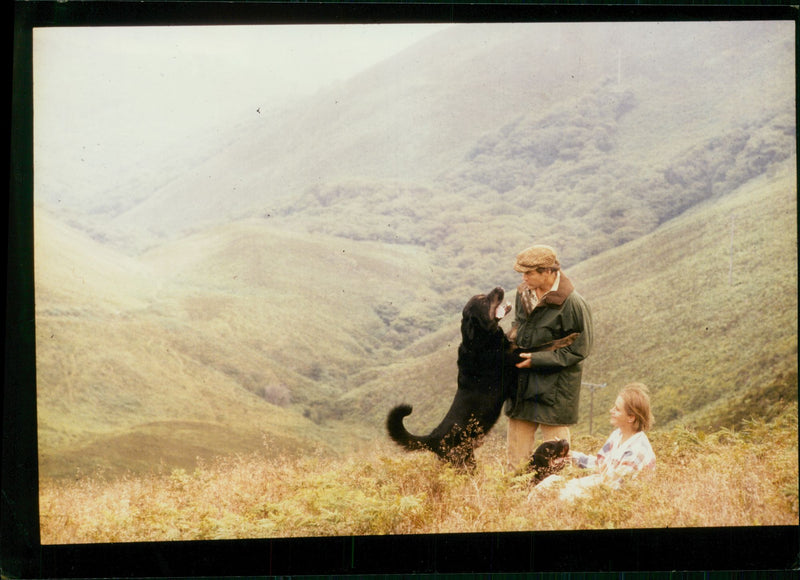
497, 296
502, 310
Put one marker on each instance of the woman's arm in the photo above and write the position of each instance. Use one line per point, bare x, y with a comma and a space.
582, 460
593, 461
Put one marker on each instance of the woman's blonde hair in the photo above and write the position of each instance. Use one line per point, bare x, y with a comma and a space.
637, 403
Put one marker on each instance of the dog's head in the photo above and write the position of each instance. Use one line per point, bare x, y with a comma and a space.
483, 313
549, 458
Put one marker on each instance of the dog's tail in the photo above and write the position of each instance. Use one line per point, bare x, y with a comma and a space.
398, 431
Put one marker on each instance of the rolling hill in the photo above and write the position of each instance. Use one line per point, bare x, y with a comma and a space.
249, 332
302, 276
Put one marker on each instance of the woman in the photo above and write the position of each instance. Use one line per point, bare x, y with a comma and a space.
627, 452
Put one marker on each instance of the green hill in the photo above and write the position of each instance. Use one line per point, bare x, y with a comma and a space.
244, 330
708, 308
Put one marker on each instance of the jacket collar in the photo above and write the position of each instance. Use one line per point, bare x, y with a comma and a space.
559, 295
554, 297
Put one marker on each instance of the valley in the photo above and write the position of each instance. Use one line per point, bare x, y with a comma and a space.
299, 278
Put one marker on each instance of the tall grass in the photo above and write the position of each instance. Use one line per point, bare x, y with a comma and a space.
725, 478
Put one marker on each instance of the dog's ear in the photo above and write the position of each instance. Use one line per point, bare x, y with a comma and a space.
467, 326
471, 317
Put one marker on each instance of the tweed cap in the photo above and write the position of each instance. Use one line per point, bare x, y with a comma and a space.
536, 257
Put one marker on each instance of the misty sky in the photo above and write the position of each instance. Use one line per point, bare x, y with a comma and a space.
128, 83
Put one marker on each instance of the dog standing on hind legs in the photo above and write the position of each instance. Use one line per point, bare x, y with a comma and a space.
487, 374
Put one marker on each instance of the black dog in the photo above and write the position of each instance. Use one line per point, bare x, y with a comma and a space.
549, 458
487, 376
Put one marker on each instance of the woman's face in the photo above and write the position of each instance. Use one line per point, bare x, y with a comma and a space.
619, 417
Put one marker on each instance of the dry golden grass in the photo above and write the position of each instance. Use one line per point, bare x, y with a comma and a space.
725, 478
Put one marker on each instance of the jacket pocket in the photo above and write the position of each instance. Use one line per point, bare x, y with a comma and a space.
541, 388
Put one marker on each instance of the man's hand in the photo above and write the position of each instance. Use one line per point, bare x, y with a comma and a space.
525, 364
512, 334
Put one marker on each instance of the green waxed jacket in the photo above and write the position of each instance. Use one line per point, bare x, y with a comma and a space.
549, 391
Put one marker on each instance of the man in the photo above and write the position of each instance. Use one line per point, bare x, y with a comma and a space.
549, 383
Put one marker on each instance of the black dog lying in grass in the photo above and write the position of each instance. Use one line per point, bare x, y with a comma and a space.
487, 376
549, 458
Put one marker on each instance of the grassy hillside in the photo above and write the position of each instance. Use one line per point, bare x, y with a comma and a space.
696, 326
201, 348
746, 477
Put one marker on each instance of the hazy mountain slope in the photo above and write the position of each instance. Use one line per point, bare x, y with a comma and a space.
408, 118
112, 358
246, 331
419, 114
598, 167
108, 280
313, 288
